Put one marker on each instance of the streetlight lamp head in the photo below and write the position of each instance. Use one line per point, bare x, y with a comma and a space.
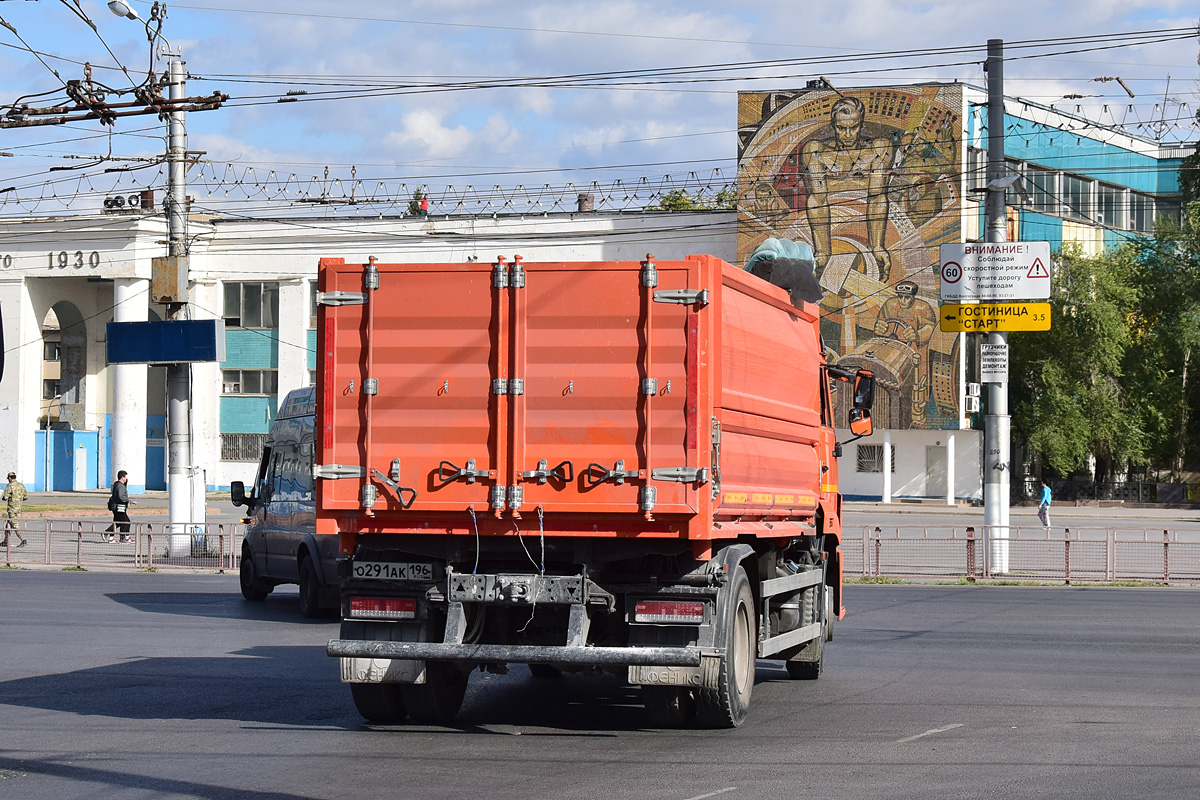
122, 9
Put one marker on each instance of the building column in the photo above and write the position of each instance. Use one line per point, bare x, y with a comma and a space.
131, 303
21, 386
887, 465
950, 468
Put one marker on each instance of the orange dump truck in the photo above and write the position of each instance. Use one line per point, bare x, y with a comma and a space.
627, 466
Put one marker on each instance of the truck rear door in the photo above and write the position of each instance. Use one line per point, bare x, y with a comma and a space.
563, 387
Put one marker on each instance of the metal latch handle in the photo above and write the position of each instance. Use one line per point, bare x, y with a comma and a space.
449, 472
564, 472
596, 474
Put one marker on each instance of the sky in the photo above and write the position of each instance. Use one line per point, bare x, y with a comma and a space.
496, 101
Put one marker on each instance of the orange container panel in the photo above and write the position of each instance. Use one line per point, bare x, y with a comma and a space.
769, 401
432, 340
589, 336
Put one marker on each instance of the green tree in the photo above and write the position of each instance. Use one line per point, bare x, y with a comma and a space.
1068, 401
1165, 357
680, 200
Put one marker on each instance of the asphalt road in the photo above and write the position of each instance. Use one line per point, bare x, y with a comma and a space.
170, 686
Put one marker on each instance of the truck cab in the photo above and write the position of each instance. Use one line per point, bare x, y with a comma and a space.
281, 543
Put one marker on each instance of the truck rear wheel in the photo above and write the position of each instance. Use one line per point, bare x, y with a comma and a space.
253, 588
310, 589
438, 699
728, 705
378, 702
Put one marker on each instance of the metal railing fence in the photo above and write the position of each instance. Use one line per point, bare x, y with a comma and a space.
1070, 555
213, 546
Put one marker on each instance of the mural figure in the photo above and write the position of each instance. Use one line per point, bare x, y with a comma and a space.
848, 161
869, 178
911, 320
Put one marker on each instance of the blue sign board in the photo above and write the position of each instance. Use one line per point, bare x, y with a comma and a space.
169, 342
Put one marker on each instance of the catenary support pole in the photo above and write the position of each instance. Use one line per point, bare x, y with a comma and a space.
996, 432
179, 400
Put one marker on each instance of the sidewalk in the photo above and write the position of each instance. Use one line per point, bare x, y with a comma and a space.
1118, 511
95, 501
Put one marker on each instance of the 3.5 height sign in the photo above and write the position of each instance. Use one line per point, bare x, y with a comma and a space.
996, 271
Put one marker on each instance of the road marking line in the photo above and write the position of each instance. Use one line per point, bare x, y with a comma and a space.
942, 729
714, 794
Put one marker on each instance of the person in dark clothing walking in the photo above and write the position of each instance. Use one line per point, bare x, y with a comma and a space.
118, 504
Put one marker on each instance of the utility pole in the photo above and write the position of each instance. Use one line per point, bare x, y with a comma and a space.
180, 496
997, 423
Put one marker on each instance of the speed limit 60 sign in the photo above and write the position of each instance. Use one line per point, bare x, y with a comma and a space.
995, 271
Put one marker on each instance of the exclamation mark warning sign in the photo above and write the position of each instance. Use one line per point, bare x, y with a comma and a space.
1038, 270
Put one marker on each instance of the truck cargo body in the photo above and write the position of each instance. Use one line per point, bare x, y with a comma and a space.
615, 465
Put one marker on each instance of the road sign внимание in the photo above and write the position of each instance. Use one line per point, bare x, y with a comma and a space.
994, 317
995, 271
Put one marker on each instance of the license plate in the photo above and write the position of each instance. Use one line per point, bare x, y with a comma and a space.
392, 571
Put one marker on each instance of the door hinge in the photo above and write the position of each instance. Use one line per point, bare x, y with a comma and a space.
681, 474
649, 272
498, 494
341, 298
335, 471
370, 386
683, 297
516, 495
649, 497
716, 458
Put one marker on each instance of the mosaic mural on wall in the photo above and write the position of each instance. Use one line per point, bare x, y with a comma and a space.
871, 179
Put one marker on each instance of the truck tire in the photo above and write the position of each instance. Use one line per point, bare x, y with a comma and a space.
806, 670
438, 699
378, 702
310, 590
669, 706
728, 705
253, 587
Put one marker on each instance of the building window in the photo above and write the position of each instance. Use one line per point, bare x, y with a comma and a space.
1169, 209
312, 304
312, 377
1108, 206
50, 389
1077, 197
1043, 190
51, 351
1141, 213
250, 381
870, 458
251, 305
976, 172
242, 446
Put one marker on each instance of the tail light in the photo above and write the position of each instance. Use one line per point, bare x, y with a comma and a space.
685, 611
383, 608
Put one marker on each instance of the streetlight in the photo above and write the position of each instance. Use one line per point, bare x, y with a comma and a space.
122, 9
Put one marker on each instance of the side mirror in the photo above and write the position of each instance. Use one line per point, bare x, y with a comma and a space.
864, 391
860, 422
237, 493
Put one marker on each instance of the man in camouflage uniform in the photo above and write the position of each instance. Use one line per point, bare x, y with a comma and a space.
14, 497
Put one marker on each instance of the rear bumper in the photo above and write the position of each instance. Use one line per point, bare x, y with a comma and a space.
521, 654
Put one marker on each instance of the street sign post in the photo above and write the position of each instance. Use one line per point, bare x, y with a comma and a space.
987, 317
995, 271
